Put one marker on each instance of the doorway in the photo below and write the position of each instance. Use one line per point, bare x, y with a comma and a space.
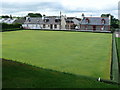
51, 26
94, 27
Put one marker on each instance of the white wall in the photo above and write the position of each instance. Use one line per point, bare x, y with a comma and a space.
76, 22
32, 26
48, 26
63, 22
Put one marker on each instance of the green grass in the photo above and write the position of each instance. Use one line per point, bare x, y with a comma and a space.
19, 75
79, 53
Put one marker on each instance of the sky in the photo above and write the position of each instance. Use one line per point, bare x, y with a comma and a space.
70, 8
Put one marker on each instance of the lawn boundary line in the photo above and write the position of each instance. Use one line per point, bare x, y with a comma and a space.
73, 30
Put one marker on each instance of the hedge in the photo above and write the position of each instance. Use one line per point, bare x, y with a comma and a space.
7, 27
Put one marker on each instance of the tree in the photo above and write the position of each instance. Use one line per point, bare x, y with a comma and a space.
106, 15
114, 21
6, 27
6, 16
34, 15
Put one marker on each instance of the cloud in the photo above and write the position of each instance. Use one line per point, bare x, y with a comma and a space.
14, 8
53, 7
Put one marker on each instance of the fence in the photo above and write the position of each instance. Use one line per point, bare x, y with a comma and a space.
115, 62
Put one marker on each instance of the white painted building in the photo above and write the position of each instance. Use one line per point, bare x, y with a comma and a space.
32, 23
47, 22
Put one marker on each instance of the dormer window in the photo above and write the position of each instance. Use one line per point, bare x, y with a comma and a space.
57, 20
87, 21
46, 20
69, 21
29, 19
103, 21
38, 20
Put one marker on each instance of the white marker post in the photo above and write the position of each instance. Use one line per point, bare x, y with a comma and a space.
99, 79
117, 35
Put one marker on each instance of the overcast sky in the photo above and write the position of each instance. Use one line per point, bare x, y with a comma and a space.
53, 7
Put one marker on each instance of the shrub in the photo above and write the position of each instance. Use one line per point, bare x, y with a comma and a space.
6, 27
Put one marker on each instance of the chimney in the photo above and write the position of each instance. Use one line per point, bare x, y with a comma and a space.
83, 15
109, 19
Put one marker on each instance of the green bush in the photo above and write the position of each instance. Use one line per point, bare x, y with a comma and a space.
6, 27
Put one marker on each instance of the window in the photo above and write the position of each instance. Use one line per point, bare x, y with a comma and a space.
71, 26
55, 26
103, 21
43, 25
46, 20
29, 19
69, 21
57, 20
38, 21
87, 21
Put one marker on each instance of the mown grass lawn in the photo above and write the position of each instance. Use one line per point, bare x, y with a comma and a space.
19, 75
79, 53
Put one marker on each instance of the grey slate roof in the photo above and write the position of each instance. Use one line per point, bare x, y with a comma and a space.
21, 20
70, 19
95, 20
34, 20
7, 20
78, 19
45, 20
52, 20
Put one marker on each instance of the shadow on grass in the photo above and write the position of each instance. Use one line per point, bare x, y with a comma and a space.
20, 75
